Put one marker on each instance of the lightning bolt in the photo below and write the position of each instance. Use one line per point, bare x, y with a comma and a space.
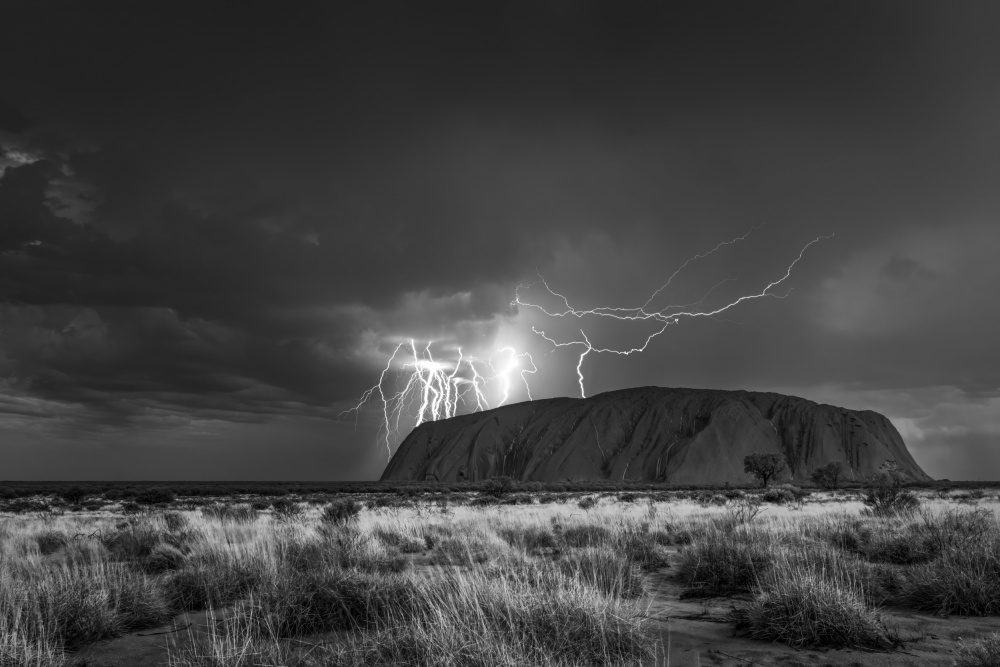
664, 317
414, 382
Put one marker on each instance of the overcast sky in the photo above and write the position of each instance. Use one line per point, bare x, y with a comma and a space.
217, 221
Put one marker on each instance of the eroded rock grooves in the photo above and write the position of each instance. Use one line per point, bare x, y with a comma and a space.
683, 436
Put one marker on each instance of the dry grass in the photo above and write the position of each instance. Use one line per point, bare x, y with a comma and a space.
984, 652
805, 605
493, 585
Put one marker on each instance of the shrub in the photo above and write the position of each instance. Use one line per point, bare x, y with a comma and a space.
808, 608
498, 487
286, 510
884, 495
828, 476
133, 540
764, 467
743, 510
260, 504
73, 495
155, 495
21, 506
587, 503
51, 541
778, 496
131, 508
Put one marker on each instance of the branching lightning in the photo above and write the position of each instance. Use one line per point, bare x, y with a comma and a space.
664, 316
414, 382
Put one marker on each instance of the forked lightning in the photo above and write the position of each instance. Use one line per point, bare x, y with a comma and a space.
435, 389
664, 316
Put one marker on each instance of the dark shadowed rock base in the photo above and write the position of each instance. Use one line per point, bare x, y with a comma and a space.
683, 436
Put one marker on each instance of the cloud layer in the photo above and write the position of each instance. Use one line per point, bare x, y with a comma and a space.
216, 225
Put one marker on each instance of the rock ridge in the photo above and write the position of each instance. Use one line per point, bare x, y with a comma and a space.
676, 435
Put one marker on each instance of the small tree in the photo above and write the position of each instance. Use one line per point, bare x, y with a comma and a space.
497, 487
828, 476
764, 467
884, 493
74, 494
340, 512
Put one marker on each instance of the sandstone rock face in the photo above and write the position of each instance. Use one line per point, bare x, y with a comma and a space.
682, 436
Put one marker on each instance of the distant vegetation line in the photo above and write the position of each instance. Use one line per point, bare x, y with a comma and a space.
124, 489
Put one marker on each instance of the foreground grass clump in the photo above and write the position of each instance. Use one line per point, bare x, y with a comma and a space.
726, 562
213, 579
961, 581
68, 606
806, 607
527, 612
471, 620
983, 652
295, 603
604, 569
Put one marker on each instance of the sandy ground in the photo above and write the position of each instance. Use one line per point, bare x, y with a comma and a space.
148, 647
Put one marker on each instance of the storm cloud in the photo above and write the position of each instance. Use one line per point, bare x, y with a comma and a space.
216, 222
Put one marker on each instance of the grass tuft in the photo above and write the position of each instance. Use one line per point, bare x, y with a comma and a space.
808, 608
725, 563
984, 652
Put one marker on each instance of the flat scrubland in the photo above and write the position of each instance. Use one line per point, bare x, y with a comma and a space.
636, 578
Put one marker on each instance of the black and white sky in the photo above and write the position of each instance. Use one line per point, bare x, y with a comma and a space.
217, 220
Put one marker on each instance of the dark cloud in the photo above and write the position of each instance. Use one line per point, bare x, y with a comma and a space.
11, 118
904, 269
224, 218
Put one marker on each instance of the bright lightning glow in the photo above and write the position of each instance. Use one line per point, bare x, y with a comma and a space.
414, 382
